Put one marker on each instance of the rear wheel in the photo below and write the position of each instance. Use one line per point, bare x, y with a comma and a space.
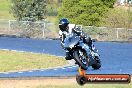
81, 58
98, 63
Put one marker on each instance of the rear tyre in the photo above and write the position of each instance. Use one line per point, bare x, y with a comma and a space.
81, 60
98, 63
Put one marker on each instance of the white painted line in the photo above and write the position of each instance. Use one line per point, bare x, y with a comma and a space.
6, 73
30, 71
54, 69
74, 66
63, 68
69, 67
5, 49
19, 72
41, 70
24, 51
14, 50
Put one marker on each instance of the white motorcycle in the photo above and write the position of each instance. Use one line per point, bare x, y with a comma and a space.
81, 53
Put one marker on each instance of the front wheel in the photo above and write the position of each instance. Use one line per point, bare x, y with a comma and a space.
98, 63
81, 58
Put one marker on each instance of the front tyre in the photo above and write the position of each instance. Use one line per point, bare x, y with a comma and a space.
98, 63
81, 59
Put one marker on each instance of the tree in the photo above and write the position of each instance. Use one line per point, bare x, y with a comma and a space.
109, 3
85, 12
120, 18
29, 10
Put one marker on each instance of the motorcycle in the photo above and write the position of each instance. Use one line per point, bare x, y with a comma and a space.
81, 53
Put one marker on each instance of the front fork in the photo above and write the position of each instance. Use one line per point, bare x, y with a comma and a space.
91, 54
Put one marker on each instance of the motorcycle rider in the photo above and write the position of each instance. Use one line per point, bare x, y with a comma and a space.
66, 29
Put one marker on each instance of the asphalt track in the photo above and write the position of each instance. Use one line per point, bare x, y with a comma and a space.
116, 57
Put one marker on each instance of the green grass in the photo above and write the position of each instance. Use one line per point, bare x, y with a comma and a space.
4, 5
5, 10
88, 86
21, 61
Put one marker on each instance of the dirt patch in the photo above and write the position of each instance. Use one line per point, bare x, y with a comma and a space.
32, 83
53, 83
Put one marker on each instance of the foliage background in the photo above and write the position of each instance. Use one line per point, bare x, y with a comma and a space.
29, 10
85, 12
